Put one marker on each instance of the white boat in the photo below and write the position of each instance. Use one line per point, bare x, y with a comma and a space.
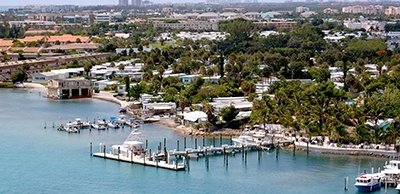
248, 136
112, 125
98, 127
368, 182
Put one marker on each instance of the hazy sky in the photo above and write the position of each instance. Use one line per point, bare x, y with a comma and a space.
79, 2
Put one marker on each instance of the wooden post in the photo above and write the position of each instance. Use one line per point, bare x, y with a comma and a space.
184, 143
220, 139
104, 150
346, 183
131, 156
187, 161
159, 148
226, 155
307, 148
231, 140
294, 149
53, 124
223, 153
214, 141
150, 155
45, 124
245, 157
147, 143
165, 142
195, 143
91, 149
277, 150
177, 145
144, 157
204, 141
259, 154
242, 152
119, 151
206, 158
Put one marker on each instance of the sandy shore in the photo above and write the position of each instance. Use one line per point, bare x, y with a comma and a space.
108, 96
32, 86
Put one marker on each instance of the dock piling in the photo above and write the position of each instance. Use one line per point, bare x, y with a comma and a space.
307, 148
346, 180
195, 143
277, 150
187, 157
147, 143
242, 152
91, 149
259, 154
214, 141
184, 143
165, 142
231, 140
119, 152
294, 149
204, 141
177, 145
220, 139
104, 150
206, 158
45, 124
245, 157
53, 124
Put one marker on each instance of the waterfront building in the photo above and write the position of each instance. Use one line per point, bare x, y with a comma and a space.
69, 88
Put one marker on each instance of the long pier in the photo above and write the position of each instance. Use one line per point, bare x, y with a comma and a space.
170, 159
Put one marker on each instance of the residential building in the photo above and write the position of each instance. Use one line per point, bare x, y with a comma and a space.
391, 10
278, 23
301, 9
69, 88
187, 25
360, 9
109, 17
331, 11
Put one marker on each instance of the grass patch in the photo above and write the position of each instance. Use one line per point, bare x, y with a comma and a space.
6, 85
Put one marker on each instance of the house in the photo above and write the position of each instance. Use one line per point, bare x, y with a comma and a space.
195, 117
188, 79
69, 88
102, 84
45, 77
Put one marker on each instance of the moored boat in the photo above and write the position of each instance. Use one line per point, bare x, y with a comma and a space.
368, 182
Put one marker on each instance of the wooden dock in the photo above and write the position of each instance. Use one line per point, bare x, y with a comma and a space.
170, 159
147, 161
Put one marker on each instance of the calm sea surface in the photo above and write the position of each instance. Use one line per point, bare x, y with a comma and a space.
38, 160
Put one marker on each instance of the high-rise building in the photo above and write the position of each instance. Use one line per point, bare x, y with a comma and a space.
123, 2
137, 2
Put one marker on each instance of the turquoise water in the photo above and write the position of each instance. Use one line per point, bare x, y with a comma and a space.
38, 160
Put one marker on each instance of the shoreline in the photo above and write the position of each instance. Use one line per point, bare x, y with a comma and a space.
384, 153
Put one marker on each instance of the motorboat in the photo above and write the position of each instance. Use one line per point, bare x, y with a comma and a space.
98, 127
368, 182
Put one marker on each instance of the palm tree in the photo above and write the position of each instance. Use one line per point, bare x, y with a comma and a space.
209, 110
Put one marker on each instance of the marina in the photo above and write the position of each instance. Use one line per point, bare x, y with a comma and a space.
57, 161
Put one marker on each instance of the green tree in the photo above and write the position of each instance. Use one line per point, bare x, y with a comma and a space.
228, 113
